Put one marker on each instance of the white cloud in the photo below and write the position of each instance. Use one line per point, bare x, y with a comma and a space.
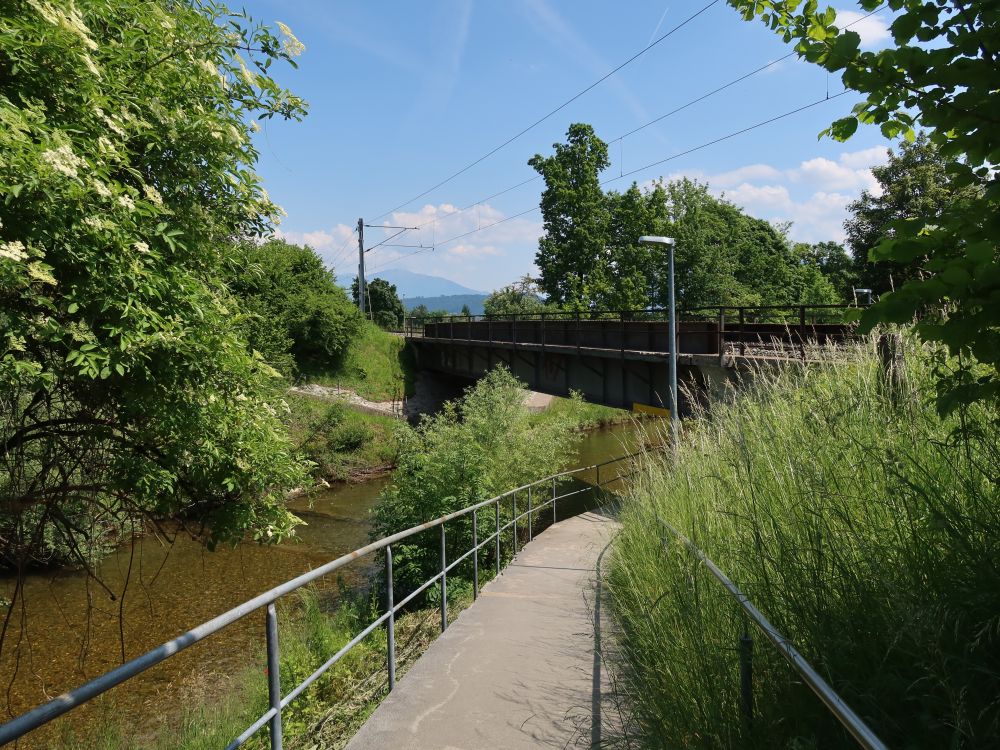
812, 196
337, 246
480, 247
869, 157
872, 30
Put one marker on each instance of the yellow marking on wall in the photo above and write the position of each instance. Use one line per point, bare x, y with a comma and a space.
656, 411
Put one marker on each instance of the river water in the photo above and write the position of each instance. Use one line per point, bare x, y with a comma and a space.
68, 628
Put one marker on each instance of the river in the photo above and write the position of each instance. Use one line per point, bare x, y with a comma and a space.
68, 629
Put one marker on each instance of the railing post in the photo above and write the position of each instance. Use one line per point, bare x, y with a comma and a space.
390, 625
273, 675
529, 514
542, 326
746, 676
513, 328
451, 327
743, 345
444, 583
498, 535
513, 518
554, 519
475, 554
802, 330
722, 332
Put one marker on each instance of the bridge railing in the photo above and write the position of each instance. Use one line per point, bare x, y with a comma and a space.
836, 705
702, 330
535, 498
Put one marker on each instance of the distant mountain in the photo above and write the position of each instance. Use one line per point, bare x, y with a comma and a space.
410, 284
451, 303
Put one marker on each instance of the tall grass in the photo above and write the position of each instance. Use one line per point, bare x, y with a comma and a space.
862, 524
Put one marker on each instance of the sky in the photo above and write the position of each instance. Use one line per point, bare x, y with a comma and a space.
403, 95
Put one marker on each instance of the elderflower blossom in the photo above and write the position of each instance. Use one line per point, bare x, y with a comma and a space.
13, 250
95, 222
254, 126
126, 202
152, 195
69, 19
101, 189
292, 46
141, 246
62, 160
110, 122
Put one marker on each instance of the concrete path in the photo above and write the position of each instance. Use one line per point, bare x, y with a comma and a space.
522, 667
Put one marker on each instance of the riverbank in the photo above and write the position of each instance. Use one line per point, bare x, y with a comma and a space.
352, 439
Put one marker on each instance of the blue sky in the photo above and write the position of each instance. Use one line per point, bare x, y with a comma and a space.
404, 94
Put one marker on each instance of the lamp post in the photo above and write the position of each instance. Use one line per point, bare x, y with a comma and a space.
668, 242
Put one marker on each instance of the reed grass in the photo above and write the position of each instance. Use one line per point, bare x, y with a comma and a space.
865, 527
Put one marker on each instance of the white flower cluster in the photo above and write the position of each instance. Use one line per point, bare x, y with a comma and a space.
101, 189
13, 250
63, 160
152, 195
141, 246
126, 202
110, 122
95, 222
292, 46
68, 18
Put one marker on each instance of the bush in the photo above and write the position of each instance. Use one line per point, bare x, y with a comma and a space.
295, 314
126, 166
865, 527
472, 450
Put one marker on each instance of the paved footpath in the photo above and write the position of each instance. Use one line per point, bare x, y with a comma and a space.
520, 668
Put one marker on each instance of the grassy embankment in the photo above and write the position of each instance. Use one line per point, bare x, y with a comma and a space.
347, 444
864, 526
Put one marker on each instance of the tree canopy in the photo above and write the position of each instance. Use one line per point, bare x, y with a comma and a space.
940, 75
384, 306
126, 155
523, 296
914, 184
292, 309
590, 256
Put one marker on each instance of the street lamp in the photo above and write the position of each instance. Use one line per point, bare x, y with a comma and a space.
672, 326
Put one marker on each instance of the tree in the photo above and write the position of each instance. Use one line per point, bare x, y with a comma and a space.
466, 312
834, 263
293, 311
571, 253
634, 270
384, 305
126, 389
913, 184
473, 449
519, 298
940, 76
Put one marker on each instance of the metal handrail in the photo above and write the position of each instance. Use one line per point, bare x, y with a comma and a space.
860, 731
595, 314
46, 712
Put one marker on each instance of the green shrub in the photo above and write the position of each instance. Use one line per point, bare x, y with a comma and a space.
864, 526
294, 312
476, 448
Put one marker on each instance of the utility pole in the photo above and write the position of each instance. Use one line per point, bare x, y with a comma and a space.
361, 265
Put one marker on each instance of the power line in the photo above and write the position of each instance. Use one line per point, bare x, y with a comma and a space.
678, 155
562, 106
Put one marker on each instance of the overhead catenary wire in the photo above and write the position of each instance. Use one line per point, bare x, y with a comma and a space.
659, 162
619, 139
549, 114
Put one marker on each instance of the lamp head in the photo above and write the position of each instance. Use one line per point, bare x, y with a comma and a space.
647, 239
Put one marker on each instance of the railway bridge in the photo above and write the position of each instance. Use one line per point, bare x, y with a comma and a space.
620, 358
